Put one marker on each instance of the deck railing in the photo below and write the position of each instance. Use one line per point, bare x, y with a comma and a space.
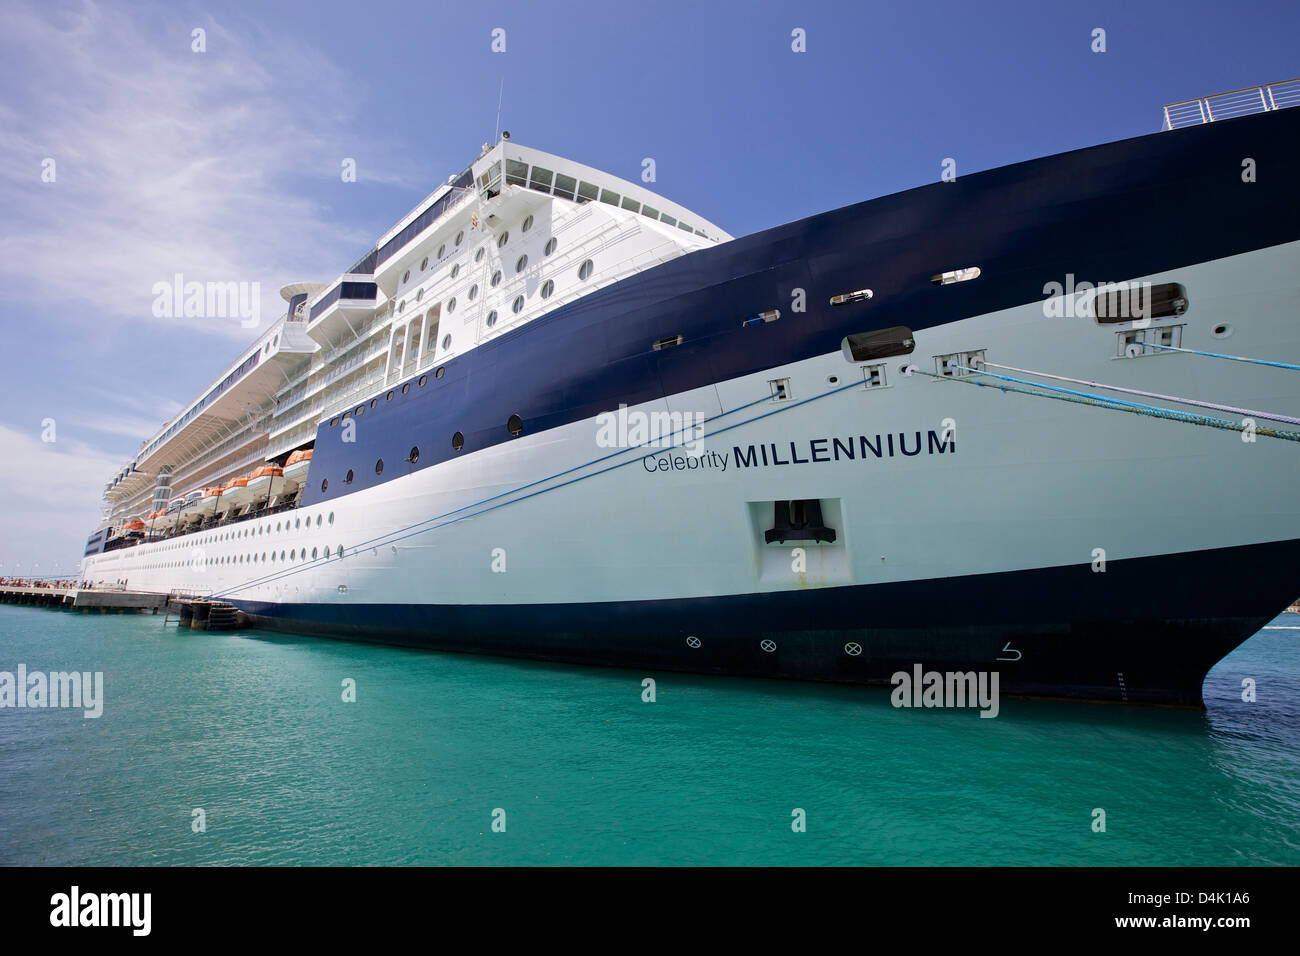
1254, 99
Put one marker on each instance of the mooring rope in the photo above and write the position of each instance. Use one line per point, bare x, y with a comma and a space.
1219, 355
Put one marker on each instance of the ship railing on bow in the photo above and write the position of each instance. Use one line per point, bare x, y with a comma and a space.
1220, 106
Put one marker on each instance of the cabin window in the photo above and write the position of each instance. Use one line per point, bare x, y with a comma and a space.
473, 292
406, 388
451, 305
565, 186
957, 275
521, 264
503, 239
541, 180
446, 341
424, 263
492, 318
423, 379
547, 288
587, 192
516, 173
551, 243
390, 394
478, 256
496, 278
584, 270
406, 276
518, 305
459, 236
528, 223
439, 371
419, 294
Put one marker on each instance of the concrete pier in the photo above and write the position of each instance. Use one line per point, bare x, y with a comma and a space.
83, 599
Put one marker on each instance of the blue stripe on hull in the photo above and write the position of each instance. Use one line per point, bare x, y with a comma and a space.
1147, 630
1108, 213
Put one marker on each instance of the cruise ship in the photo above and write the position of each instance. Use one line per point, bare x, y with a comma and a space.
1037, 420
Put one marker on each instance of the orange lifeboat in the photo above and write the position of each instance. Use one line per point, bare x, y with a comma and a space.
133, 525
265, 482
235, 492
295, 469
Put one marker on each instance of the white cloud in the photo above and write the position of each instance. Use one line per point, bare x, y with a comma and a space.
169, 161
50, 493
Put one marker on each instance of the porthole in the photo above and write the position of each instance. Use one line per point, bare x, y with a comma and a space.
272, 555
356, 412
455, 270
331, 517
423, 379
406, 388
438, 372
334, 421
313, 554
451, 305
446, 342
528, 223
501, 242
401, 306
551, 243
347, 479
340, 551
406, 276
518, 305
492, 318
442, 249
458, 441
473, 292
293, 554
547, 288
521, 264
496, 278
419, 294
414, 457
424, 263
324, 483
281, 555
297, 522
478, 256
390, 395
459, 236
374, 402
379, 467
584, 270
318, 520
515, 425
277, 527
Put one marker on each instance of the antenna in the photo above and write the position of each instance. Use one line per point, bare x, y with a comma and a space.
500, 94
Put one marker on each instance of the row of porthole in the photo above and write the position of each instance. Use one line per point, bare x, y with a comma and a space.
406, 387
514, 425
584, 272
478, 255
252, 531
253, 558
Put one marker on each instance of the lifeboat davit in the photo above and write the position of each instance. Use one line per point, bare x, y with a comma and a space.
265, 482
235, 493
295, 469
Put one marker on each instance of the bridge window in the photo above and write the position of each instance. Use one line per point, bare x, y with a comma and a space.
587, 192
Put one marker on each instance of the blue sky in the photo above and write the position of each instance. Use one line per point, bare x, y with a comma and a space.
225, 165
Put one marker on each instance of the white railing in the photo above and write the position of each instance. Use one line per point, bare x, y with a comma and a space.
1254, 99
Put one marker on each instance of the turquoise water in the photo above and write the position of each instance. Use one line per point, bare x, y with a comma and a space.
252, 728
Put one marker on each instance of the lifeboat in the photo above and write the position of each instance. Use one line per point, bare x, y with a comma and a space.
210, 503
134, 526
295, 469
235, 493
265, 482
190, 509
160, 521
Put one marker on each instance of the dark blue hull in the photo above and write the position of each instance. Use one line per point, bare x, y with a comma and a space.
1147, 630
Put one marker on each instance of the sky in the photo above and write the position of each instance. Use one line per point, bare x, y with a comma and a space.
128, 156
